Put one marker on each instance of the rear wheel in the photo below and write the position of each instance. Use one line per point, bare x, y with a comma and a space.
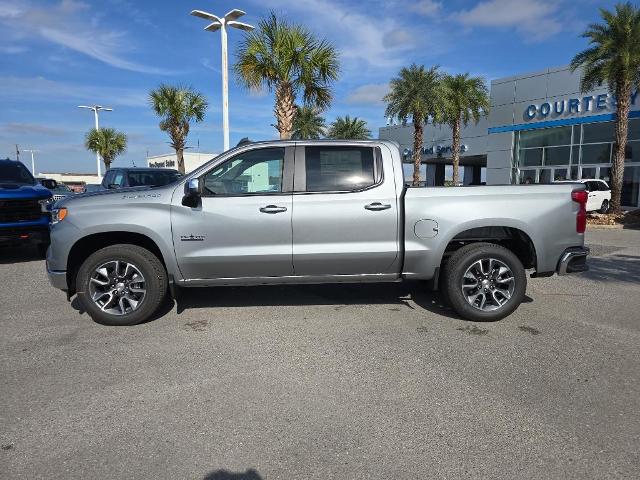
121, 285
484, 282
604, 208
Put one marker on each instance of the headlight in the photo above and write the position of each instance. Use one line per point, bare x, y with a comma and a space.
45, 205
57, 215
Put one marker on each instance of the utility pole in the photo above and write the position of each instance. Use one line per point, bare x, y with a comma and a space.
33, 163
17, 153
221, 24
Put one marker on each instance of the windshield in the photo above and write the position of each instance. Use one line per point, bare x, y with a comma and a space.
153, 179
15, 173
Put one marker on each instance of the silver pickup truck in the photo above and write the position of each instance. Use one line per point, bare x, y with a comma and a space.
312, 212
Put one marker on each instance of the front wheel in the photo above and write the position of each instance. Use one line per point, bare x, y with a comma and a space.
121, 284
484, 282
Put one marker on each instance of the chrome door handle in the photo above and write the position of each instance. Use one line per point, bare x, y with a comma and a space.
375, 206
273, 209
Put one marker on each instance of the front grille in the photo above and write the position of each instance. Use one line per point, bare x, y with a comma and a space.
19, 210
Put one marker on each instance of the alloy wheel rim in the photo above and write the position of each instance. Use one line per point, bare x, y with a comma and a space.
488, 284
117, 287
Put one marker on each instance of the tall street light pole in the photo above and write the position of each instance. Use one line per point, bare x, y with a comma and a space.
33, 163
221, 24
96, 109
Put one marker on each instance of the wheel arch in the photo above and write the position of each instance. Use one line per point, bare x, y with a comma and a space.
509, 235
91, 243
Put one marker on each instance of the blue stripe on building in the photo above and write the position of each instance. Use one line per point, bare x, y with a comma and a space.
605, 117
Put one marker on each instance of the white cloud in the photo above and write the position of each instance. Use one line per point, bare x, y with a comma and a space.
428, 8
66, 25
370, 94
12, 49
533, 18
31, 128
40, 88
361, 37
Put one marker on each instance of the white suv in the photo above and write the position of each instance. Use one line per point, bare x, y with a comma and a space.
599, 194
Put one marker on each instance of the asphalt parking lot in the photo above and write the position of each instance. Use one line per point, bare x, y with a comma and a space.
323, 382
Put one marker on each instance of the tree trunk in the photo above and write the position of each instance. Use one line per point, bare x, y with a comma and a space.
455, 147
180, 157
285, 110
418, 138
107, 163
623, 94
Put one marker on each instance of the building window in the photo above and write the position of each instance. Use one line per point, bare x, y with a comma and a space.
530, 157
547, 137
630, 186
596, 153
598, 132
557, 155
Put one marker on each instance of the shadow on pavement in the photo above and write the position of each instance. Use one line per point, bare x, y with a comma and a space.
19, 254
402, 295
250, 474
294, 295
614, 268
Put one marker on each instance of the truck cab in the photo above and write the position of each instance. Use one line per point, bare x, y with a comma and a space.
24, 207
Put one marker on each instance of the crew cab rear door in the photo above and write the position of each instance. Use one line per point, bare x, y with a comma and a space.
345, 211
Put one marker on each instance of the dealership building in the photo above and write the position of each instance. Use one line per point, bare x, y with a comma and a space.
541, 128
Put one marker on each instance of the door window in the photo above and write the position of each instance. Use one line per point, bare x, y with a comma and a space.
336, 169
250, 172
119, 179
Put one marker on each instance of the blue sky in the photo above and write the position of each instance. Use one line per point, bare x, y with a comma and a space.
55, 55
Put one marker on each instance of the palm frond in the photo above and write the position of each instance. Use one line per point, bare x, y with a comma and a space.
347, 128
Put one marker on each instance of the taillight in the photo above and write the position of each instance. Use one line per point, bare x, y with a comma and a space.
580, 196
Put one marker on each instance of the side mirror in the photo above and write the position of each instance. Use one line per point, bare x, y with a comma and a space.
49, 183
192, 192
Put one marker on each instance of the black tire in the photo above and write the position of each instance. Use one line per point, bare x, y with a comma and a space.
444, 273
604, 208
149, 265
458, 264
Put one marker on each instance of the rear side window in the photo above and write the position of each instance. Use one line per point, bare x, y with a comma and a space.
339, 169
151, 179
118, 179
603, 187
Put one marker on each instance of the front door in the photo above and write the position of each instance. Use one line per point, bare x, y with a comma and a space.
242, 225
345, 212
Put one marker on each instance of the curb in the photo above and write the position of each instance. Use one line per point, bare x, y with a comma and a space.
617, 226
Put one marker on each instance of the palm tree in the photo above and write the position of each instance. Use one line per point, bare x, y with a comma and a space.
177, 107
613, 58
347, 128
464, 99
414, 93
289, 60
308, 124
106, 142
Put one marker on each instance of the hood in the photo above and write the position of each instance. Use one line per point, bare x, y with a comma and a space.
114, 195
15, 191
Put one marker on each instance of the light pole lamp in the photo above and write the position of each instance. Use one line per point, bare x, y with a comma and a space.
33, 163
96, 109
217, 23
